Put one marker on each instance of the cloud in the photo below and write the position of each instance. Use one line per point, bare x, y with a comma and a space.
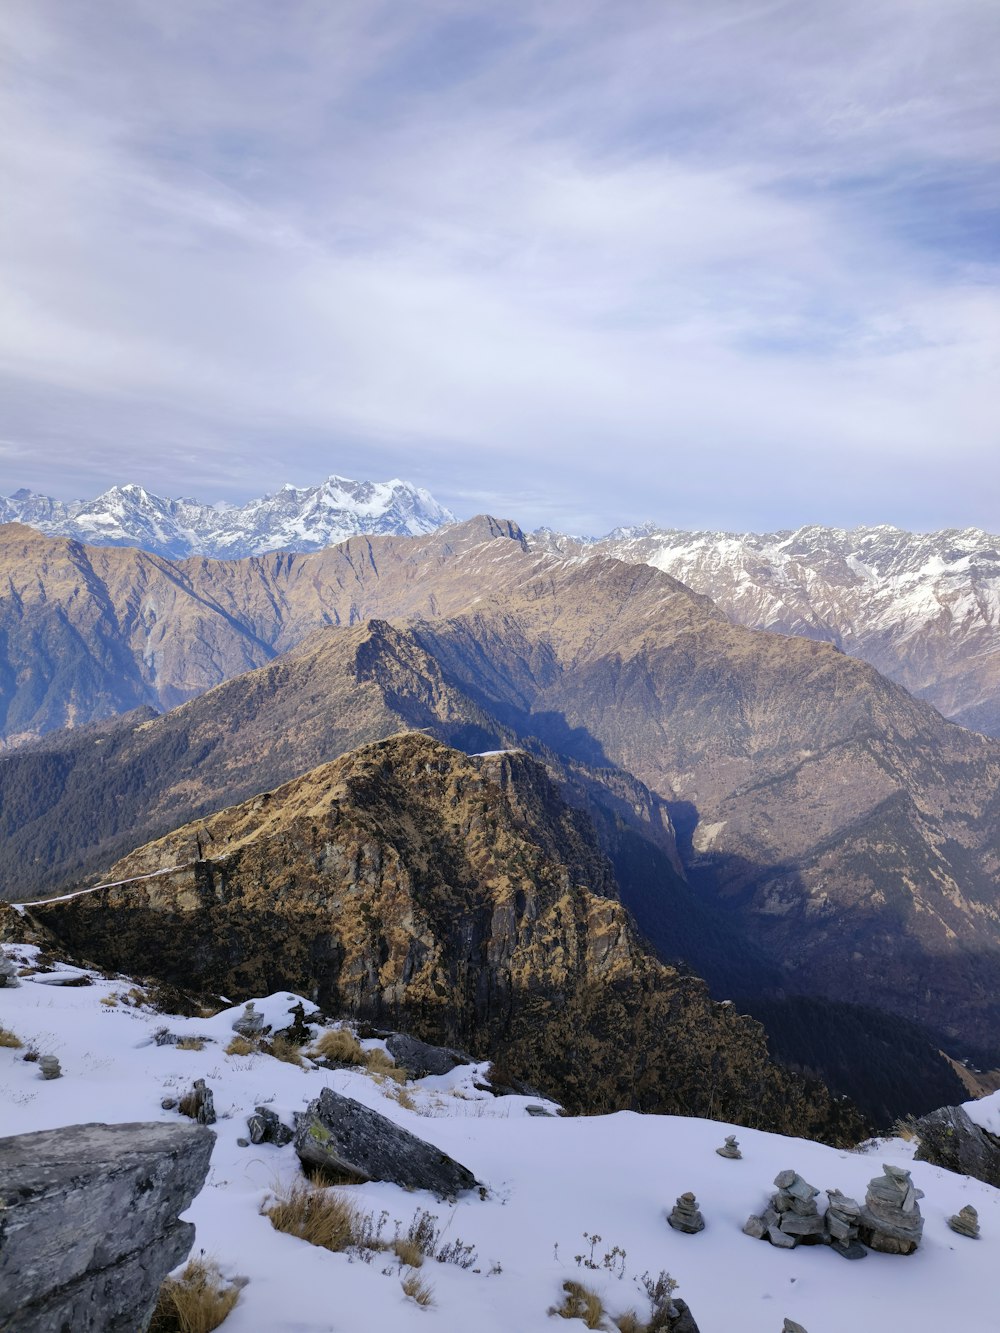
722, 263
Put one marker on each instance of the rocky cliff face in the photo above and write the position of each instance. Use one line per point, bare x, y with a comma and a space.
458, 897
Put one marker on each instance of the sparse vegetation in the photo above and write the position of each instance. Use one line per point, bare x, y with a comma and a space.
325, 1218
408, 1252
417, 1290
190, 1043
241, 1046
8, 1038
380, 1064
340, 1046
282, 1049
196, 1302
580, 1302
110, 1000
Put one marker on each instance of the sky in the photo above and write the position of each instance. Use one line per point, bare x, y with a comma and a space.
715, 263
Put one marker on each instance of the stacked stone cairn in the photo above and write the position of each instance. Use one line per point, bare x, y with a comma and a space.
890, 1221
792, 1217
250, 1023
8, 972
966, 1222
730, 1148
842, 1225
684, 1216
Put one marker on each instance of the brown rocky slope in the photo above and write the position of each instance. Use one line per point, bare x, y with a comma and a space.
460, 898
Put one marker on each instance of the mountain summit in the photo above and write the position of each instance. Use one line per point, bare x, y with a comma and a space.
304, 519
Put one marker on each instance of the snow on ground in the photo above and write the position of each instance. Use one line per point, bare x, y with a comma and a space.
986, 1113
551, 1181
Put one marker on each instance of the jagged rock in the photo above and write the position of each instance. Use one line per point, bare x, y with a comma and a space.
683, 1321
966, 1222
344, 1138
420, 1059
199, 1103
250, 1023
684, 1216
890, 1221
90, 1223
949, 1138
48, 1066
778, 1237
169, 1103
8, 973
298, 1031
539, 1111
730, 1148
755, 1226
265, 1127
790, 1326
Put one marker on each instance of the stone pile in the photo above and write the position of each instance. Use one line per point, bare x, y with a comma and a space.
684, 1216
730, 1148
890, 1221
8, 973
842, 1225
48, 1066
199, 1103
792, 1217
966, 1222
265, 1127
250, 1023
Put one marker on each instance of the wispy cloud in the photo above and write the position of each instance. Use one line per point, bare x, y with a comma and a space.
716, 261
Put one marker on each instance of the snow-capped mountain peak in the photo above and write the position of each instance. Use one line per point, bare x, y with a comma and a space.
305, 519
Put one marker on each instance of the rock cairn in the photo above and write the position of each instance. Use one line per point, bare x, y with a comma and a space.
966, 1222
265, 1127
890, 1221
730, 1148
684, 1216
8, 973
48, 1066
250, 1023
842, 1225
792, 1218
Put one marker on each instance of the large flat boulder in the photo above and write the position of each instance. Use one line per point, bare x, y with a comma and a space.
345, 1139
950, 1139
419, 1058
90, 1223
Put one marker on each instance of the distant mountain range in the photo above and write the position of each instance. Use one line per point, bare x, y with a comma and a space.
924, 608
302, 520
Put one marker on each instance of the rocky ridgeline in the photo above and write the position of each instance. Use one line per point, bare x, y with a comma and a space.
889, 1221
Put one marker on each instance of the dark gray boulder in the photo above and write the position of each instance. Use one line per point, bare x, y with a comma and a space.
950, 1139
90, 1223
265, 1127
419, 1059
345, 1139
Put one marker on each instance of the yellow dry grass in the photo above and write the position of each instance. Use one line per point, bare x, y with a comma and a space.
339, 1045
418, 1290
196, 1302
320, 1216
241, 1046
580, 1302
8, 1038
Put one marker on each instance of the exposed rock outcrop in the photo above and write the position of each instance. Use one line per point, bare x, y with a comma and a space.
949, 1138
420, 1059
345, 1139
90, 1223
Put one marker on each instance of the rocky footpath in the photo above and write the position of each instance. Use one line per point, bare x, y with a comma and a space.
90, 1224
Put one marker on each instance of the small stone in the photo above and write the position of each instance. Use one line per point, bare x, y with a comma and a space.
169, 1103
48, 1066
265, 1127
730, 1149
777, 1237
792, 1224
849, 1249
755, 1226
790, 1326
538, 1110
684, 1216
966, 1222
243, 1143
785, 1178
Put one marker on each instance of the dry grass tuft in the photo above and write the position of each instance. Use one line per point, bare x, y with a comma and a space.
381, 1064
341, 1046
318, 1216
580, 1303
629, 1322
408, 1252
241, 1046
418, 1290
110, 1000
190, 1043
196, 1302
282, 1049
7, 1038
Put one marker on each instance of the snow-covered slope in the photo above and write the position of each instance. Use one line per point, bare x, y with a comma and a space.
304, 520
924, 608
550, 1182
